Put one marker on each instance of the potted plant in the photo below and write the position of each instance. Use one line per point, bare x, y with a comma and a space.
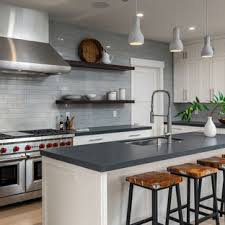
218, 103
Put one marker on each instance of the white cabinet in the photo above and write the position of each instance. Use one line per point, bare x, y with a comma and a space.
178, 129
192, 80
180, 82
218, 79
110, 137
196, 76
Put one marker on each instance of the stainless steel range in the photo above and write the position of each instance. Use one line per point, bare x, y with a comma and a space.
20, 162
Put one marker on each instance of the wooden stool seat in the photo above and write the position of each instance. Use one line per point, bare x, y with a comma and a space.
192, 170
155, 180
215, 162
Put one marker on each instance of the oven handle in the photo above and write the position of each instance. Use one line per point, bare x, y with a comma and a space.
13, 159
33, 157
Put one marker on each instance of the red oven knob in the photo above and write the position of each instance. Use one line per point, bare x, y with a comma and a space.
62, 143
16, 149
42, 146
3, 150
55, 145
49, 145
68, 143
28, 147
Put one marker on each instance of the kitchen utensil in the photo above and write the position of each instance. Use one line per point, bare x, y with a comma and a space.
122, 94
90, 51
112, 96
106, 57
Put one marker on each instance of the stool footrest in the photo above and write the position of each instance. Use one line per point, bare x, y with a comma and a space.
206, 198
143, 221
178, 221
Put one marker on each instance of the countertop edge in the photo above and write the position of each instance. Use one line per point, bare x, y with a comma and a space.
93, 132
109, 168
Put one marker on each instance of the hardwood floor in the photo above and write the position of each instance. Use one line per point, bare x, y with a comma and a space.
22, 214
30, 214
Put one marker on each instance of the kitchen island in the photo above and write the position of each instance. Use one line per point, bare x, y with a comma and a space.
85, 185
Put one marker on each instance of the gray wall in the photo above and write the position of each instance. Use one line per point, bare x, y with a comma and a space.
28, 102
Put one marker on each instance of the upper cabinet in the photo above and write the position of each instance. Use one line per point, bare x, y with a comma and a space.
196, 76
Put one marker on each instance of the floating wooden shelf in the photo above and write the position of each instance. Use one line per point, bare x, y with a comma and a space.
60, 102
100, 66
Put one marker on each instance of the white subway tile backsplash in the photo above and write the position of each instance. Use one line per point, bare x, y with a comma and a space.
28, 102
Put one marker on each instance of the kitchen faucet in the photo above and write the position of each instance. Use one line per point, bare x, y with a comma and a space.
168, 115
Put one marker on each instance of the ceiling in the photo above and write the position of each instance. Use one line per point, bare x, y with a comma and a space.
160, 15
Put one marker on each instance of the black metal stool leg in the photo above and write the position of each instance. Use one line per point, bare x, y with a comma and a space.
154, 207
196, 188
179, 204
169, 205
199, 188
215, 205
129, 204
188, 199
223, 196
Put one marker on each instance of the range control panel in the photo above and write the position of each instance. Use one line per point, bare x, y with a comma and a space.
10, 148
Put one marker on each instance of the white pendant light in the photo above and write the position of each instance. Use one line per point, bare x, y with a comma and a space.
207, 50
136, 37
176, 44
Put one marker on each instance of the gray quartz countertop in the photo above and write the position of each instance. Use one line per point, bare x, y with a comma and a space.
111, 156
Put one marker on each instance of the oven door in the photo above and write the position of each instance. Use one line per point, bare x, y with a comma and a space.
33, 173
12, 175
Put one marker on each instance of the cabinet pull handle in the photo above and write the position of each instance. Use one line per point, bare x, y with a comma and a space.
134, 135
97, 139
213, 93
185, 95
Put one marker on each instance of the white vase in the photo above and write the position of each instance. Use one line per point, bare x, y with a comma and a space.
210, 128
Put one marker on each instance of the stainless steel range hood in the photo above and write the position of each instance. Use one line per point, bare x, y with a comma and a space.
24, 43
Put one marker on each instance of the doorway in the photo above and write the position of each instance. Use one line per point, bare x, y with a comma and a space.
146, 78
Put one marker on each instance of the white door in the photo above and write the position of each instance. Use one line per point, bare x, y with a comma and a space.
146, 78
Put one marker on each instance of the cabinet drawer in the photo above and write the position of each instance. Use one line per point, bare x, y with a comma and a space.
89, 139
119, 136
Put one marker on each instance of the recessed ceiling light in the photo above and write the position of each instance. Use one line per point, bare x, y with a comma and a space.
108, 46
100, 5
192, 28
140, 14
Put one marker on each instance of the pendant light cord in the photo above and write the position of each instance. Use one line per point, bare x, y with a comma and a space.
206, 16
136, 7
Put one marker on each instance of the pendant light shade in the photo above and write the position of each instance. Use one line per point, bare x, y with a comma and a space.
136, 37
207, 50
176, 44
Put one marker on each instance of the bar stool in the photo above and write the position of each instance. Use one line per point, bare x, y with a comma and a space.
219, 163
155, 181
197, 173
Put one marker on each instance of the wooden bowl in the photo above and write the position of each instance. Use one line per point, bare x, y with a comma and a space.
90, 51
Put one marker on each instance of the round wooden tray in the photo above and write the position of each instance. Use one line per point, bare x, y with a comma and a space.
90, 51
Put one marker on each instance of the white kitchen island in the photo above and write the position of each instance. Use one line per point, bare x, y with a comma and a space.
86, 185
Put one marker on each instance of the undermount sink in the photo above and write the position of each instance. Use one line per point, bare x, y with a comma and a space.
153, 141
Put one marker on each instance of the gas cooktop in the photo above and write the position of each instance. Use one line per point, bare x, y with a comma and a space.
46, 132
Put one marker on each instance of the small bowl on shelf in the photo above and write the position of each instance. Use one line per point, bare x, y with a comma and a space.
91, 96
